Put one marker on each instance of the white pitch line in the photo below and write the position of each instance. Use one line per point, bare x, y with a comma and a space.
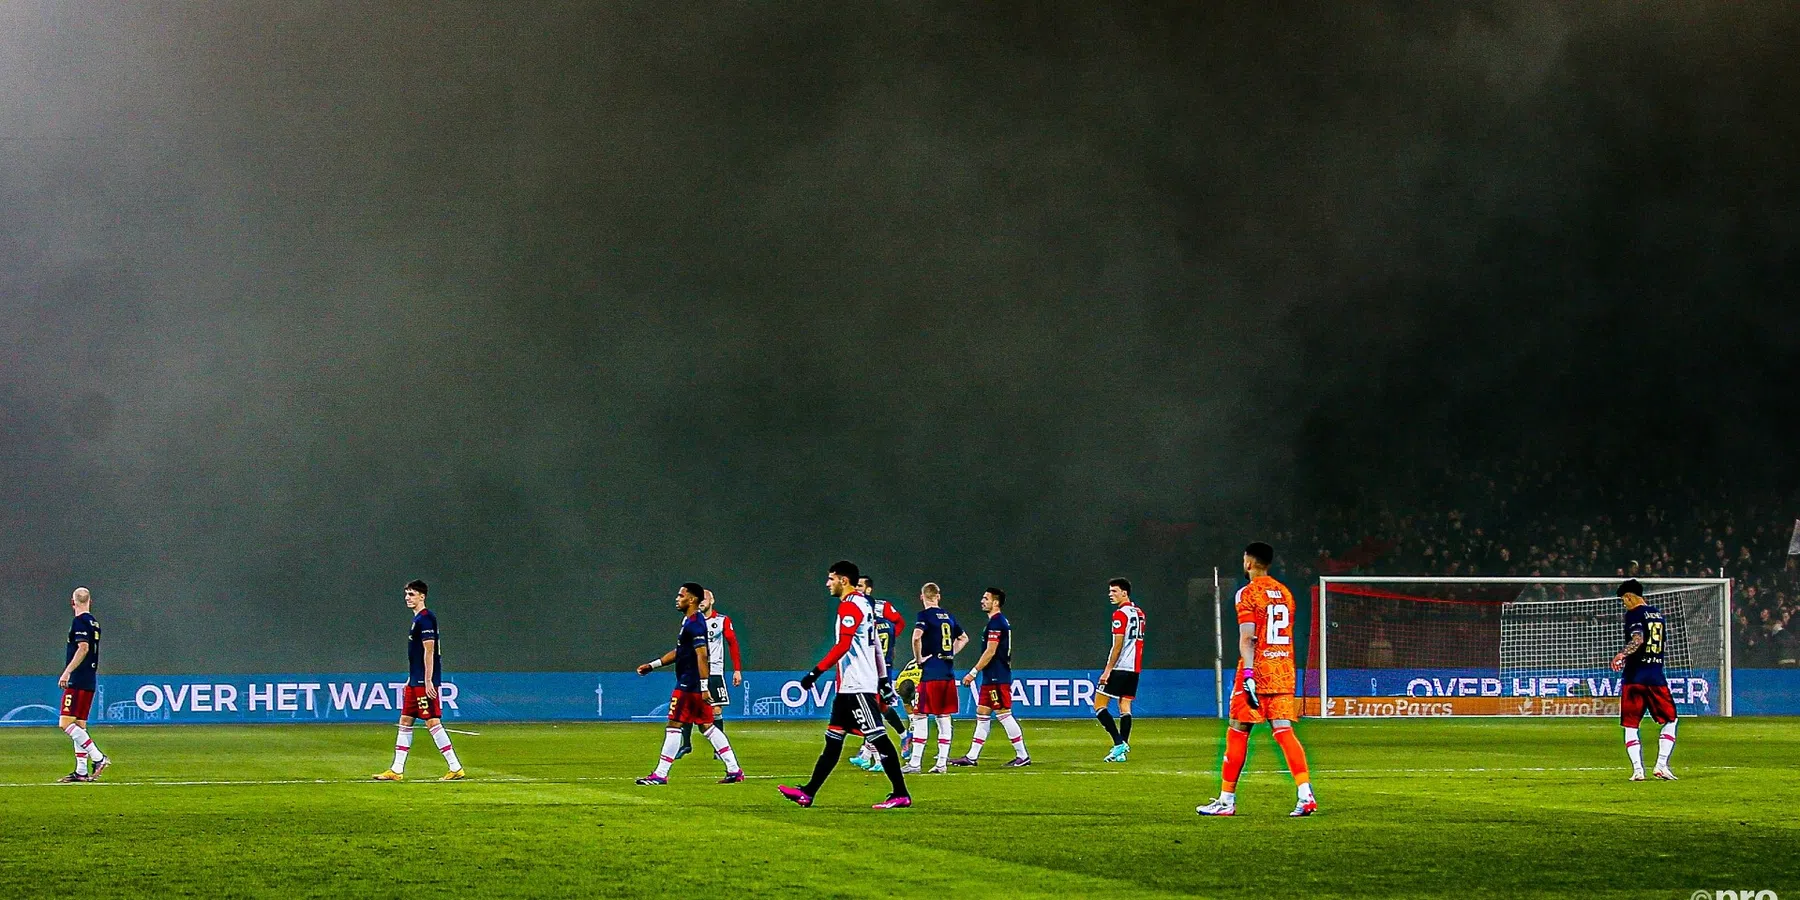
1183, 773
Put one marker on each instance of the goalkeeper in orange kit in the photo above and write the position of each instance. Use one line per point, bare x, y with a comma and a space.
1265, 685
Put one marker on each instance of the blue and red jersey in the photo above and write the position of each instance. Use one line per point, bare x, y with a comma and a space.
84, 630
938, 643
1645, 664
688, 676
999, 669
424, 628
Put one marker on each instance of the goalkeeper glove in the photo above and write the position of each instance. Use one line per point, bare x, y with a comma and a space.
1248, 677
810, 679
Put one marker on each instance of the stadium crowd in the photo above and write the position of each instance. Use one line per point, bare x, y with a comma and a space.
1539, 521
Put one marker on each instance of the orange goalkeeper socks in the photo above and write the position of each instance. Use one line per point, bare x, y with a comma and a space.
1296, 755
1237, 746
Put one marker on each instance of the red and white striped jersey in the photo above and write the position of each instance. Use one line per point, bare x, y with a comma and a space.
860, 669
1128, 622
720, 636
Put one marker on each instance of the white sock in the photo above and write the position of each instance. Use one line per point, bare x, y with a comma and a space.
1306, 793
917, 734
1229, 798
1665, 745
722, 747
982, 724
1015, 734
84, 747
402, 744
943, 726
671, 744
1633, 750
442, 738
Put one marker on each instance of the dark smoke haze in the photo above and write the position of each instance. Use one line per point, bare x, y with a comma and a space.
559, 306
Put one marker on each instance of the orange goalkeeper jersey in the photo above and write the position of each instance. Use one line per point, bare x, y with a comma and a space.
1269, 605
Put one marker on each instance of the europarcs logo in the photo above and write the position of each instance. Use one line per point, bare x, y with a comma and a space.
1733, 895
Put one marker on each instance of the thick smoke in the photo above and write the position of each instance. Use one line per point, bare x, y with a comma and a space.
558, 307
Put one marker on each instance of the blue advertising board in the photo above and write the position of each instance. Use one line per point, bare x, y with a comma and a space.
623, 696
533, 696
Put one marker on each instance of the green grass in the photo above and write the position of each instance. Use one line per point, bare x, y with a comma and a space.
1409, 808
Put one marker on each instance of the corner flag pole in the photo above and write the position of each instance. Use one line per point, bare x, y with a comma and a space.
1218, 647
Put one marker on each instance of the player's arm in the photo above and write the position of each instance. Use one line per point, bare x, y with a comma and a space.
849, 619
81, 653
1247, 660
700, 659
987, 656
737, 661
430, 667
656, 663
1631, 646
918, 642
1112, 658
962, 640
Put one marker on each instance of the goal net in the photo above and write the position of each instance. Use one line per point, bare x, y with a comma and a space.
1395, 646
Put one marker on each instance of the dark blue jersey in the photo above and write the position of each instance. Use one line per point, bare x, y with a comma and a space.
687, 659
1645, 664
937, 640
887, 629
424, 628
84, 630
999, 669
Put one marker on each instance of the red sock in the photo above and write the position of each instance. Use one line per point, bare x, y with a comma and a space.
1237, 746
1296, 754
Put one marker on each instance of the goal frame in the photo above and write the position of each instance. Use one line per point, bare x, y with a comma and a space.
1324, 617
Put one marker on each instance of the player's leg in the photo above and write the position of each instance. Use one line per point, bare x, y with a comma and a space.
1237, 750
828, 760
671, 745
943, 747
442, 738
921, 724
843, 720
722, 748
1103, 712
77, 737
720, 699
1125, 720
402, 745
687, 740
1631, 714
868, 715
1294, 753
1662, 709
1016, 735
984, 719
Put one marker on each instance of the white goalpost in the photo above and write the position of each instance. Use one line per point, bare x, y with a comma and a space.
1422, 646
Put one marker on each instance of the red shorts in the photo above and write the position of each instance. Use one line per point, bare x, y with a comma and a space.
690, 708
1636, 699
937, 698
77, 702
997, 696
419, 706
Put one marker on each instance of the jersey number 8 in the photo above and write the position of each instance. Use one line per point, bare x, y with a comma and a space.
949, 644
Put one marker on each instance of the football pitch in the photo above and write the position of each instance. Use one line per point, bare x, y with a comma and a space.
1408, 808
